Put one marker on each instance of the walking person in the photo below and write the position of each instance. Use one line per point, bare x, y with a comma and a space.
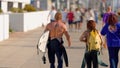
93, 41
70, 17
57, 30
96, 15
90, 14
52, 14
64, 15
77, 19
112, 32
105, 19
105, 15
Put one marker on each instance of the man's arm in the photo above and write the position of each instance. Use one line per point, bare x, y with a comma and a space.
68, 38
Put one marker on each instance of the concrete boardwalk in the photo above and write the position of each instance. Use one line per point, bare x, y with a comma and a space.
19, 51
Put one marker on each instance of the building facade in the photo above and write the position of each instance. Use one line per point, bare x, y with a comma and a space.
6, 5
115, 4
42, 4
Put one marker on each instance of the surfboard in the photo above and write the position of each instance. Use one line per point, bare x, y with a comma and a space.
42, 43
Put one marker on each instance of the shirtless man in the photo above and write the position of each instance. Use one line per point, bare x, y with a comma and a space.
57, 30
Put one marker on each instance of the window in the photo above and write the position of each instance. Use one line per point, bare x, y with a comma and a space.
0, 4
10, 5
20, 5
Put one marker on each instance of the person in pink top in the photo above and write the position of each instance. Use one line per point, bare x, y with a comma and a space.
70, 17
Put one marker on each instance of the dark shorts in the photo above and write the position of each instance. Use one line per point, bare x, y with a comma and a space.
77, 22
70, 22
81, 19
52, 20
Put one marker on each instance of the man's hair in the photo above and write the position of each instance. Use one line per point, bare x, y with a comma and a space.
58, 16
112, 19
91, 25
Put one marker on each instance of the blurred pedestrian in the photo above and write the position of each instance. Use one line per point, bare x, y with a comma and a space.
77, 19
96, 16
93, 41
52, 14
90, 14
64, 15
57, 30
70, 17
106, 14
112, 32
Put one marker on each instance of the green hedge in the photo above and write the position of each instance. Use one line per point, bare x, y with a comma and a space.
29, 8
1, 11
16, 10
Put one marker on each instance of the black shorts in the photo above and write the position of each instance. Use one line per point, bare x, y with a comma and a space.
77, 22
70, 22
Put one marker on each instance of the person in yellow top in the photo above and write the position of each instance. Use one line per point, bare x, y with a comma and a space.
93, 45
57, 30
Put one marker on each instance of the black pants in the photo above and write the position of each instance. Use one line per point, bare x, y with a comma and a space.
91, 58
54, 47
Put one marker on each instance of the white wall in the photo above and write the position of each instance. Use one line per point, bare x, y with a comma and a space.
28, 21
15, 4
4, 27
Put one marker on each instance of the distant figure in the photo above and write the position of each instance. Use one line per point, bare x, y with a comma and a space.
77, 19
105, 18
64, 15
105, 15
70, 17
90, 14
52, 14
96, 16
57, 30
111, 31
103, 6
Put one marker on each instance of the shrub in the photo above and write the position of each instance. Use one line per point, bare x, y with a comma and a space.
20, 10
16, 10
1, 11
10, 30
29, 8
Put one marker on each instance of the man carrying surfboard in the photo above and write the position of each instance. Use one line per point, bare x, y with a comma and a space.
57, 30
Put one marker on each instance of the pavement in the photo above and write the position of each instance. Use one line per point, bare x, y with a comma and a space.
19, 51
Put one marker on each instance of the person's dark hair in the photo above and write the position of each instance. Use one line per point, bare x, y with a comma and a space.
112, 19
76, 9
58, 16
118, 13
91, 25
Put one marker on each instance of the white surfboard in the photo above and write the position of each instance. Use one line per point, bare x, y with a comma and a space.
42, 43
